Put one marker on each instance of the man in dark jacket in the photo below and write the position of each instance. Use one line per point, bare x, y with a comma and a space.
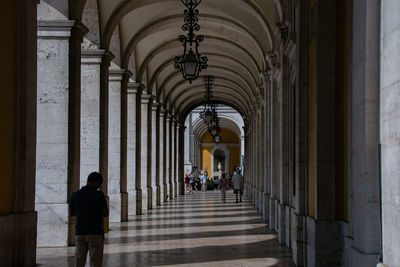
90, 207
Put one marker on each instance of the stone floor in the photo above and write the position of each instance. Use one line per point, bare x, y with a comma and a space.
192, 230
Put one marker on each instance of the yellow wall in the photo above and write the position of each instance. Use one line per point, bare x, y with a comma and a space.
234, 157
227, 136
206, 158
7, 72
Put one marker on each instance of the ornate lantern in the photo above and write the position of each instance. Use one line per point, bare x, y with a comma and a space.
191, 62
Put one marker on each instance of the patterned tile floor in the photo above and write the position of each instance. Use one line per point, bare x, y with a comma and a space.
192, 230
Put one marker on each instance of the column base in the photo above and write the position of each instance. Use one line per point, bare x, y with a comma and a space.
115, 207
298, 242
171, 191
139, 210
273, 214
18, 239
165, 191
158, 195
175, 189
52, 225
149, 198
266, 208
124, 206
323, 242
260, 201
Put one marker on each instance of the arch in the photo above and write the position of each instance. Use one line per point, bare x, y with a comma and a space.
124, 7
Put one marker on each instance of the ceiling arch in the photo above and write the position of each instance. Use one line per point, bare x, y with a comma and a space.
239, 36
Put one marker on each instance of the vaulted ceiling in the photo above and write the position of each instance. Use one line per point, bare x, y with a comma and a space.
238, 39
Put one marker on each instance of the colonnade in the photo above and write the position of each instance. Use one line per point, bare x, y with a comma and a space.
105, 123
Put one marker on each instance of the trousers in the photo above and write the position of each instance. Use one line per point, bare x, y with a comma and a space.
92, 243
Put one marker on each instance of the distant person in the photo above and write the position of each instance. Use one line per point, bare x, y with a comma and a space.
191, 182
187, 181
90, 207
223, 185
204, 182
238, 185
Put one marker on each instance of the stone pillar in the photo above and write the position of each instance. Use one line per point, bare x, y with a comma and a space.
166, 156
18, 219
163, 177
154, 163
53, 132
267, 147
142, 152
261, 160
124, 145
181, 158
147, 106
255, 158
175, 166
133, 92
90, 113
170, 157
274, 158
389, 122
298, 222
159, 147
114, 144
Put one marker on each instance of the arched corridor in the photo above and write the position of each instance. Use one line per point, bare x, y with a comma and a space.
192, 230
307, 97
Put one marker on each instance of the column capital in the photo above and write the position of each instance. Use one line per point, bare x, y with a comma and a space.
54, 29
116, 75
147, 99
155, 105
135, 88
92, 56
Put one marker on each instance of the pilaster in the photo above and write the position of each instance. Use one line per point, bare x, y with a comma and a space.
114, 145
124, 146
133, 92
52, 135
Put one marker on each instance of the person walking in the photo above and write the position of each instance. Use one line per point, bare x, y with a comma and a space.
90, 207
238, 185
223, 184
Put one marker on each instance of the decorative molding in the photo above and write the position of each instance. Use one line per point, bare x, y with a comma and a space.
116, 75
54, 29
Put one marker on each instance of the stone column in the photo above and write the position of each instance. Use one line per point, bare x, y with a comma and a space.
74, 116
255, 159
18, 218
298, 222
166, 155
52, 134
181, 158
114, 144
90, 113
133, 92
94, 115
147, 106
170, 157
124, 145
389, 120
142, 152
262, 161
267, 147
154, 163
163, 177
274, 158
175, 166
159, 146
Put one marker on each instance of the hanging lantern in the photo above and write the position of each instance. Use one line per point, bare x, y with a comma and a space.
191, 62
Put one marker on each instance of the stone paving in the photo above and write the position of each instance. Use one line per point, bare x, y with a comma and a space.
192, 230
